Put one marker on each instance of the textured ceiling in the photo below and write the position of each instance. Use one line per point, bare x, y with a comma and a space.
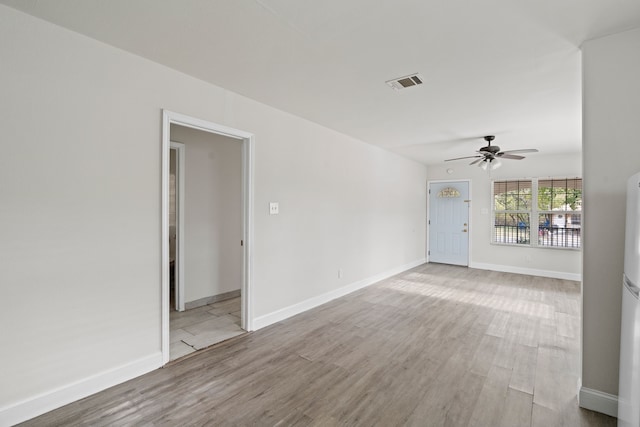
504, 67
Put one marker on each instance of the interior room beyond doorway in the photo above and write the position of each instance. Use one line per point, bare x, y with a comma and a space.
205, 234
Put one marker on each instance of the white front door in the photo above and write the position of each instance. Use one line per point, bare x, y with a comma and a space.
449, 222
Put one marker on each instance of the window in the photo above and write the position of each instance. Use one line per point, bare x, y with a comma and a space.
512, 211
538, 212
559, 212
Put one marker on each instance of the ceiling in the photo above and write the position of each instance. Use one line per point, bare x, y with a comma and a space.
504, 67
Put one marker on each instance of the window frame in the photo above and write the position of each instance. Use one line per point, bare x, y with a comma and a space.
534, 214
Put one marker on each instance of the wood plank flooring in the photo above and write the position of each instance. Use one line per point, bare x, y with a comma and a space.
435, 346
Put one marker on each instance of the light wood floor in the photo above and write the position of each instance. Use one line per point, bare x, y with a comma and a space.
435, 346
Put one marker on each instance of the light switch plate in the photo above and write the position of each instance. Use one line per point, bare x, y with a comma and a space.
274, 208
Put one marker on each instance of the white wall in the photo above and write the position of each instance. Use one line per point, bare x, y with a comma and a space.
80, 173
611, 150
562, 263
213, 212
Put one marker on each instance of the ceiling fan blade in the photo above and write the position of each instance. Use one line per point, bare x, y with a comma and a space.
440, 142
526, 150
509, 156
460, 158
476, 161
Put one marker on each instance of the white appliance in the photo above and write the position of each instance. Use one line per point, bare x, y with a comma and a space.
629, 389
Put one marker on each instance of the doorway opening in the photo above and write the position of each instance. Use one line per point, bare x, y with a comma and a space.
206, 234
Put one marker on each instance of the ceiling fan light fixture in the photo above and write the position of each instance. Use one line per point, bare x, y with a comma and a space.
489, 164
489, 156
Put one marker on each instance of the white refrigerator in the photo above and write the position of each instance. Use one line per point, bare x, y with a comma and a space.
629, 389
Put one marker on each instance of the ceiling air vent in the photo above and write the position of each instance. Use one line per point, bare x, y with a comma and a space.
406, 81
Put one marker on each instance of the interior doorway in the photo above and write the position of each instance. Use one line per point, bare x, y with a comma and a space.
202, 291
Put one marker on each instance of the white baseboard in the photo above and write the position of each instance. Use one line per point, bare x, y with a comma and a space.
529, 271
292, 310
598, 401
212, 299
48, 401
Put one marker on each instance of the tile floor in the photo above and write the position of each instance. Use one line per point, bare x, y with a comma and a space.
201, 327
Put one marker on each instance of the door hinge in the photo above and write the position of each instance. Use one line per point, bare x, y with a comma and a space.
428, 252
429, 222
241, 242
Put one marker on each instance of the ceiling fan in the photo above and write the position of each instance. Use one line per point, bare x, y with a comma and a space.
489, 156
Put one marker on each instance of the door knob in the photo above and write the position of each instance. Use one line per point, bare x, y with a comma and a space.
464, 231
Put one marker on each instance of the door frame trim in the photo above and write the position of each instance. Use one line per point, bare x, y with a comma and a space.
179, 265
248, 139
440, 181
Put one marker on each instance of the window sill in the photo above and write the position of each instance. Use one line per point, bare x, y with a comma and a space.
530, 246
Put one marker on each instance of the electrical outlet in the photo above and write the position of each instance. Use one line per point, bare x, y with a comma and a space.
274, 208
